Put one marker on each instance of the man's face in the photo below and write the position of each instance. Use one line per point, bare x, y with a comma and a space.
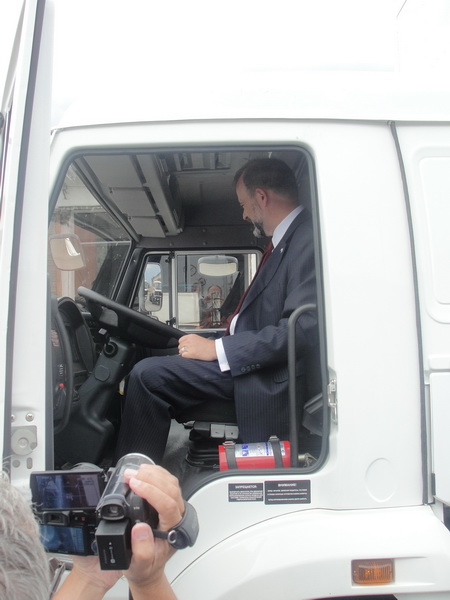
251, 211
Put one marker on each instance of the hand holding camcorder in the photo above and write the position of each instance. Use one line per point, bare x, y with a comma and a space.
83, 512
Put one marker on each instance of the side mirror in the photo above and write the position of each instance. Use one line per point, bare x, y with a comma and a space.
153, 287
217, 265
67, 252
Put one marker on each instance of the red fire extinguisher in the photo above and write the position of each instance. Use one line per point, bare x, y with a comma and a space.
259, 455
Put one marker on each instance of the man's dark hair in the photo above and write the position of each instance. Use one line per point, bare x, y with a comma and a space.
269, 173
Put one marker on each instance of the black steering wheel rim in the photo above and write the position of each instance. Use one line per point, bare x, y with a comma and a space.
129, 324
63, 389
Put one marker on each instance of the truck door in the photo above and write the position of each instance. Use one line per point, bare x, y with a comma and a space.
25, 138
425, 150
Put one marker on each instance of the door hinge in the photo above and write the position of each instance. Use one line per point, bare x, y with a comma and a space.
332, 399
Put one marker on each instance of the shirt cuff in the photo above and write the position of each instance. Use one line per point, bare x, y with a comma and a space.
221, 356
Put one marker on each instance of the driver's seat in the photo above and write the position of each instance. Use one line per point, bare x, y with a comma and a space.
213, 423
210, 425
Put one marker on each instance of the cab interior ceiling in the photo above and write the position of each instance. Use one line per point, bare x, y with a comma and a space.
186, 197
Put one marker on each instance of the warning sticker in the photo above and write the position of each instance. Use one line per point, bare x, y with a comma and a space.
287, 492
272, 492
245, 492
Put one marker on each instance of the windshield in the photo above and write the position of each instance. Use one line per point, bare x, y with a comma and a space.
87, 246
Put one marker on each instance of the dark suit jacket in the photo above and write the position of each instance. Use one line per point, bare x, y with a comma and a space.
257, 352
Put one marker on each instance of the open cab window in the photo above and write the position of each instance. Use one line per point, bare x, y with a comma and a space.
145, 247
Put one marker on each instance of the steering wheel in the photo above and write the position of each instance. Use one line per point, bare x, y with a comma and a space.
128, 324
62, 372
73, 358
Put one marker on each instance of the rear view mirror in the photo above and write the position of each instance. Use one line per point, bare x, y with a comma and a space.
217, 265
67, 252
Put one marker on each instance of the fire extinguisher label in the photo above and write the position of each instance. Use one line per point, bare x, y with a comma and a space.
262, 449
271, 492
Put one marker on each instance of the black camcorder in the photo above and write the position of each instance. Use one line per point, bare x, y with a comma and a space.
118, 510
85, 511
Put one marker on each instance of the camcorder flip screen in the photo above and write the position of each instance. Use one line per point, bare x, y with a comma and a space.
63, 490
64, 540
64, 503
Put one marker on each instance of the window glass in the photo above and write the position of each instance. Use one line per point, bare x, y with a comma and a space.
194, 290
86, 246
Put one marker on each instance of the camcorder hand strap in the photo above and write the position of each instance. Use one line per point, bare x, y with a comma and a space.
184, 533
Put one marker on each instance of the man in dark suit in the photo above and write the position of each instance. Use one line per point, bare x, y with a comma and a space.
248, 366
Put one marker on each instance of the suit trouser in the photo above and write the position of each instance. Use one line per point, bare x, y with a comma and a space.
158, 389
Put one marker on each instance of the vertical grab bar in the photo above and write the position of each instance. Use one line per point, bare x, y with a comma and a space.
293, 413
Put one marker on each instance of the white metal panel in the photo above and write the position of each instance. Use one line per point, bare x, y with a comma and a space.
308, 555
24, 228
9, 47
374, 460
426, 154
20, 62
310, 68
369, 293
440, 439
435, 173
370, 316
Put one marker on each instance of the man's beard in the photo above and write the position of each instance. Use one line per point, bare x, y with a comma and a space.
258, 230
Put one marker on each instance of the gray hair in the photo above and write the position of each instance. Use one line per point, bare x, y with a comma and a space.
24, 571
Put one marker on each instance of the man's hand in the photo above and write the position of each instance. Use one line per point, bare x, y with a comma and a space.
146, 573
149, 555
86, 581
197, 347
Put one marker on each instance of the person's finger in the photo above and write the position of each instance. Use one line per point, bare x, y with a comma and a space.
149, 556
129, 473
161, 478
162, 491
142, 543
155, 474
170, 509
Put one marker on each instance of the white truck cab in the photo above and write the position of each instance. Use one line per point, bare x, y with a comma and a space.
119, 229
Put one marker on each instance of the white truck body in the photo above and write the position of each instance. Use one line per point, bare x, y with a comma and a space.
379, 145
